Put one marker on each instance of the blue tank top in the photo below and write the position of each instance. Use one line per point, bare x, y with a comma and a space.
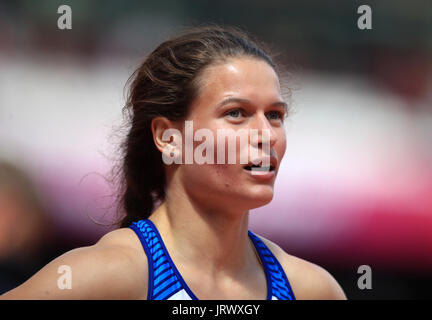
166, 282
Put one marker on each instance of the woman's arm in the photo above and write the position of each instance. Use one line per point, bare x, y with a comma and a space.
113, 268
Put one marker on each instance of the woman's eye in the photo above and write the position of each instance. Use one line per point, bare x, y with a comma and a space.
275, 115
235, 113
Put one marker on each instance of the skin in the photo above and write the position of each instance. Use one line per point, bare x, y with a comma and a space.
204, 218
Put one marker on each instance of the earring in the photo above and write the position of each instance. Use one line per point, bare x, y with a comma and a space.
173, 151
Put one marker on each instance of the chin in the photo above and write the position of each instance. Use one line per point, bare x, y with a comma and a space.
260, 197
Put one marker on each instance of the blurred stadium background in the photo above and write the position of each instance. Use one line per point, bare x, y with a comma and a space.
355, 186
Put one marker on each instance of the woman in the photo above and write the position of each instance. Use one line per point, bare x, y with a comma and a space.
196, 243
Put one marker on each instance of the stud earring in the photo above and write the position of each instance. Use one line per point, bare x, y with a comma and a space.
173, 151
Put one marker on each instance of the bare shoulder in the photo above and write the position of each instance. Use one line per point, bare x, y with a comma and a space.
113, 268
308, 280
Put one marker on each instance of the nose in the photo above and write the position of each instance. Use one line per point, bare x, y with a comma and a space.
262, 132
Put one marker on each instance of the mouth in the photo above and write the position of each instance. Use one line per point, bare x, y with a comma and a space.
260, 167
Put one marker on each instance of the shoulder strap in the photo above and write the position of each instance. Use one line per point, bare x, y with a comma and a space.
163, 281
280, 286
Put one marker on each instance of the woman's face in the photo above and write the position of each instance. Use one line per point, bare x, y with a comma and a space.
242, 93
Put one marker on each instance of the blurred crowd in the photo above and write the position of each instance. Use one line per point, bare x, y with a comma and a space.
25, 239
355, 186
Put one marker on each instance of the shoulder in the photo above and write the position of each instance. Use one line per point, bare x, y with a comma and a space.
308, 280
113, 268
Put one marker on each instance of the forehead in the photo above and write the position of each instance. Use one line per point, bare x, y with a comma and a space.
243, 77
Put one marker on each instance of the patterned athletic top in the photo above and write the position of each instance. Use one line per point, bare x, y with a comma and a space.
166, 282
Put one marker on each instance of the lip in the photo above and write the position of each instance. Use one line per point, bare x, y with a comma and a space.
273, 161
259, 174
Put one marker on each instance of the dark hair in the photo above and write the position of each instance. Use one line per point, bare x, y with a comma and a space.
164, 85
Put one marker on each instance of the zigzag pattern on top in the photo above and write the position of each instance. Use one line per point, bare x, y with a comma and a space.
165, 282
281, 288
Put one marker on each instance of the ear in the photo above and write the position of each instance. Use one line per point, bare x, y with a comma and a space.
164, 132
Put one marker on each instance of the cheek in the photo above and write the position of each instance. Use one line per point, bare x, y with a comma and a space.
281, 149
280, 145
208, 179
207, 176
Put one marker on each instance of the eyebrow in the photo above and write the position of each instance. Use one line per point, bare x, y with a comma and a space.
281, 104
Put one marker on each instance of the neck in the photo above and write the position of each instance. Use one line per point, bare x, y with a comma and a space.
213, 237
